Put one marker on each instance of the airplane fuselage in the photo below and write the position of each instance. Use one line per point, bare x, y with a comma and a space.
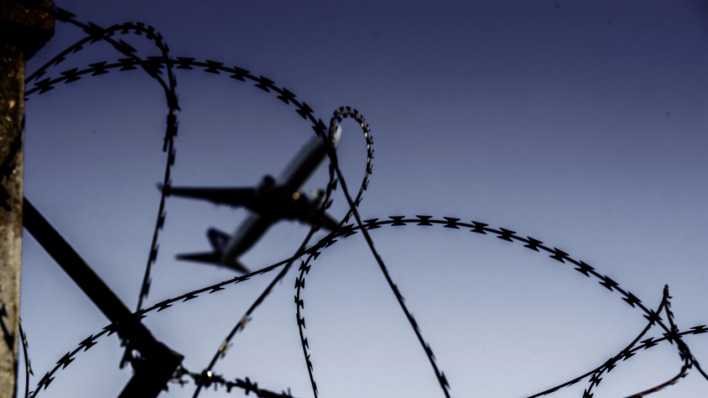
273, 203
268, 203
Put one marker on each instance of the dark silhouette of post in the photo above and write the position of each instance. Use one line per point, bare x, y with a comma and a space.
25, 26
157, 363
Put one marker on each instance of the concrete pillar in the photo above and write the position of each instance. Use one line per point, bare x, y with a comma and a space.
24, 27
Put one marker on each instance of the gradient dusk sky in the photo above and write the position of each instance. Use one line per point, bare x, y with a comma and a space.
579, 123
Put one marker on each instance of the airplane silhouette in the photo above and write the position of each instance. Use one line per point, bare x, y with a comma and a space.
269, 202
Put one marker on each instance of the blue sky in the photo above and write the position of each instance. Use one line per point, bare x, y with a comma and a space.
578, 123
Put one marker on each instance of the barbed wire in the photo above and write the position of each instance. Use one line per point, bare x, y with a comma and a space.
155, 67
209, 379
611, 362
95, 34
509, 236
91, 340
25, 354
684, 352
261, 82
343, 112
596, 377
306, 112
395, 222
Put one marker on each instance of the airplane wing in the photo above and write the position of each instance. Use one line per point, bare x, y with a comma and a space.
310, 213
323, 220
235, 197
213, 258
306, 161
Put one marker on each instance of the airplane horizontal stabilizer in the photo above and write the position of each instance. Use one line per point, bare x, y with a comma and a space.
213, 258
